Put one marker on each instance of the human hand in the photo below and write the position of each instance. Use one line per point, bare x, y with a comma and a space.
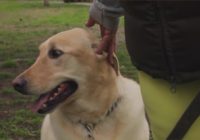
108, 41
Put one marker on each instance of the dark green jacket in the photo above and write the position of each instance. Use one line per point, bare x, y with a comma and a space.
163, 37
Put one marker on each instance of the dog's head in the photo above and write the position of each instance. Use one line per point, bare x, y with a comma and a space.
66, 64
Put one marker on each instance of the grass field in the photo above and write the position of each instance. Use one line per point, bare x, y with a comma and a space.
23, 26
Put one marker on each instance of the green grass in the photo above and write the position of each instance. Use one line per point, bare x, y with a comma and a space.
24, 25
27, 24
5, 75
126, 66
7, 90
9, 64
22, 124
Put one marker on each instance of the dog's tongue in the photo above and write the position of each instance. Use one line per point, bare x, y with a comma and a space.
39, 103
43, 99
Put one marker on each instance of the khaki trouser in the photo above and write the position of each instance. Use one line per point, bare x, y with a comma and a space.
164, 107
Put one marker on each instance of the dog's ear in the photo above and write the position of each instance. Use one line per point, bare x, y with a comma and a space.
93, 39
94, 44
116, 64
102, 57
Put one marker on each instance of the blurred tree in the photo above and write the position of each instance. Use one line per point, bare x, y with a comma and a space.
69, 0
46, 2
77, 0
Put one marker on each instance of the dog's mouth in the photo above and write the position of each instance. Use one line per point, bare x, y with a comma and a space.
48, 101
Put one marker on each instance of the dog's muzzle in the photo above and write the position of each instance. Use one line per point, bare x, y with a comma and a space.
20, 84
49, 100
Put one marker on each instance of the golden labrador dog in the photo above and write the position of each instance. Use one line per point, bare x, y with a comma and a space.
81, 94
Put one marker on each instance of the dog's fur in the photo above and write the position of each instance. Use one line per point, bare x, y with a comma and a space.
99, 90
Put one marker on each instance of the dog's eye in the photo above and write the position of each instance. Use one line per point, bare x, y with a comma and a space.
54, 53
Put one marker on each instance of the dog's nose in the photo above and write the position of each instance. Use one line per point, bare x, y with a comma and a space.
20, 85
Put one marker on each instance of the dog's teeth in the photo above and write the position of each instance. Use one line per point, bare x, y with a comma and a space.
62, 86
44, 105
59, 89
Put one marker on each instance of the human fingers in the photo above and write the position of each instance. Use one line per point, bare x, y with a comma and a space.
91, 22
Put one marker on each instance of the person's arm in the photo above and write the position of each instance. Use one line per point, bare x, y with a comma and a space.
106, 13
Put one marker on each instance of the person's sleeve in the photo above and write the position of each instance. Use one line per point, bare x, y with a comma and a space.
106, 13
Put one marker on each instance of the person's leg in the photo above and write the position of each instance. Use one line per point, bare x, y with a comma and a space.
164, 107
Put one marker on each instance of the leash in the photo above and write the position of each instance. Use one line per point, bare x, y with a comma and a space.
186, 120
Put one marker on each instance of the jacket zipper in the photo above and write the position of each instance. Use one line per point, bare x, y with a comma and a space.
166, 46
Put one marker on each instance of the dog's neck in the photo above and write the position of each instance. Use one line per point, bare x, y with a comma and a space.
90, 126
94, 107
109, 111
